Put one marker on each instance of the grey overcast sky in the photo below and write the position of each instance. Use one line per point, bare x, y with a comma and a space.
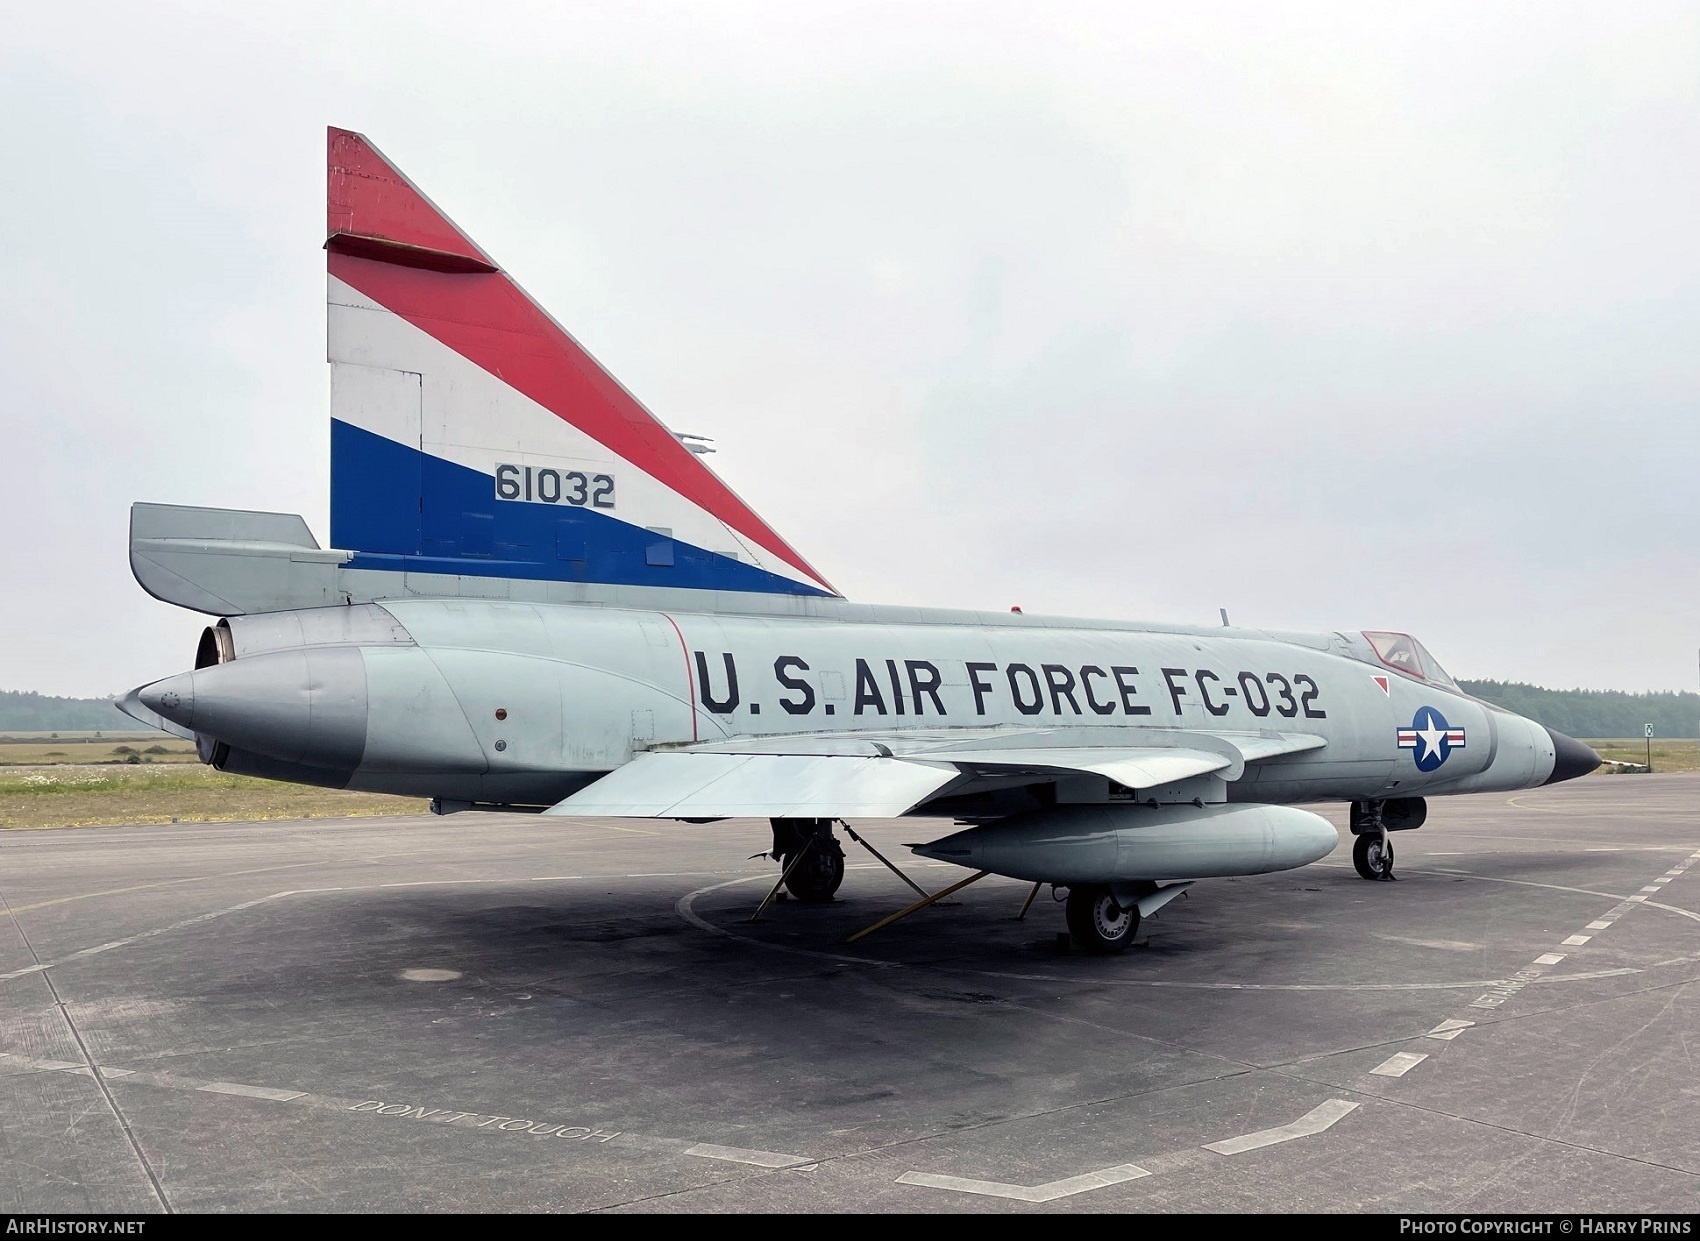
1337, 316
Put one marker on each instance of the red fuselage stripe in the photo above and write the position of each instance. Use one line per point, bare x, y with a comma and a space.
690, 674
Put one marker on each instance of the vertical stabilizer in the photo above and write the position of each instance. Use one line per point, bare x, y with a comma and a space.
470, 435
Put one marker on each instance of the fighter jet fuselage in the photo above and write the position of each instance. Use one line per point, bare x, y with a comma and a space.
495, 702
541, 598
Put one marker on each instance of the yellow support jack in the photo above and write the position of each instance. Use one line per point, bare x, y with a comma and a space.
918, 905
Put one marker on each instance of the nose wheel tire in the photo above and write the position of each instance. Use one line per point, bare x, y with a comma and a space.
1098, 922
817, 876
1372, 854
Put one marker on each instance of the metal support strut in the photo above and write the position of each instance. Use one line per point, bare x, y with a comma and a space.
1028, 903
918, 905
784, 875
851, 832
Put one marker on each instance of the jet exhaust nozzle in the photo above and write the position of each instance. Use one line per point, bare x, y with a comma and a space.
1120, 843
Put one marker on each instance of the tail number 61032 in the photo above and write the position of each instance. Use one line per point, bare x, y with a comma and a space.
536, 485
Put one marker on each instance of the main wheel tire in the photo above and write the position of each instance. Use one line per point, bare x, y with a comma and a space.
1098, 922
818, 875
1373, 857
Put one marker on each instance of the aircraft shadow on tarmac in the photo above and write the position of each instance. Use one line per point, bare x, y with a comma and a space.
629, 945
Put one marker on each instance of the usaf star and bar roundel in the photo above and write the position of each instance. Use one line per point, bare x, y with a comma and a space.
1431, 737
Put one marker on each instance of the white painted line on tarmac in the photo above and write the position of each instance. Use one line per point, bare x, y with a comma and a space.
1048, 1192
122, 943
1672, 909
44, 1066
252, 1092
1314, 1121
1506, 988
64, 1066
738, 1154
1399, 1064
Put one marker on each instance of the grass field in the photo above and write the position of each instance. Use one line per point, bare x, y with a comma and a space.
78, 795
35, 750
1669, 754
86, 780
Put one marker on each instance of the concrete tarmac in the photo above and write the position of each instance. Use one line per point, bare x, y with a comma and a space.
510, 1013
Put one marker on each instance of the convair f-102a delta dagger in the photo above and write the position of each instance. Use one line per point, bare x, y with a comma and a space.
542, 598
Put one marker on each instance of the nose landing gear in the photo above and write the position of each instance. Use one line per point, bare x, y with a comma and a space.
1372, 855
1372, 851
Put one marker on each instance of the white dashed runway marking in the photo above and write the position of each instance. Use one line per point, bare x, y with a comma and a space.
1315, 1121
1048, 1192
738, 1154
1449, 1029
247, 1092
1399, 1064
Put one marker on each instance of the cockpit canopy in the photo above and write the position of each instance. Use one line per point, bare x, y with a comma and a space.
1403, 653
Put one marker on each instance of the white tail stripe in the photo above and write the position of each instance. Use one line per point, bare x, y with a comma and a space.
461, 402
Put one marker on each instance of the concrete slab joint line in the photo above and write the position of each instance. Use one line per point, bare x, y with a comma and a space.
1048, 1192
1319, 1118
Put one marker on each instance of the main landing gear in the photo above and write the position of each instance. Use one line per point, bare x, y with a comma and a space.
1099, 922
810, 858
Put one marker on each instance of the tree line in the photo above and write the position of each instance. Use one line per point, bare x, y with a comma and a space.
1596, 713
25, 712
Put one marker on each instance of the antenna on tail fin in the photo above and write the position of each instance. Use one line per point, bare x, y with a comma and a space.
472, 436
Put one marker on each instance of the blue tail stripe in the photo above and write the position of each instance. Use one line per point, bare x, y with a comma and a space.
401, 509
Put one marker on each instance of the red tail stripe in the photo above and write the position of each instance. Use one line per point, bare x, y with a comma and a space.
492, 323
367, 196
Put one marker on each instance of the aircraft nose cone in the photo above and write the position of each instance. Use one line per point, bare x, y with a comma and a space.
1570, 758
173, 698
